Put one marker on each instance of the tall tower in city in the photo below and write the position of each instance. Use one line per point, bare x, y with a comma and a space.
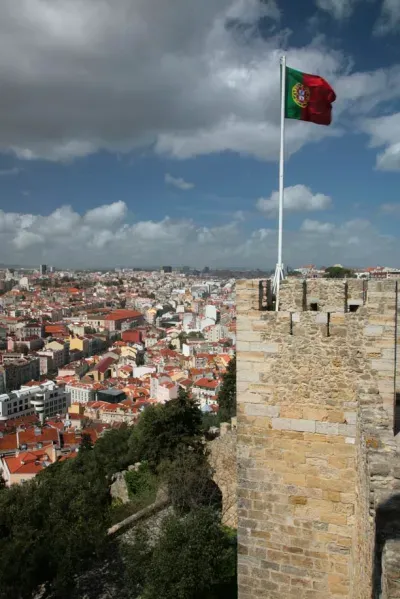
42, 269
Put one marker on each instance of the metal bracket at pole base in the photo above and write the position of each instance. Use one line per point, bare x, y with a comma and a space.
278, 277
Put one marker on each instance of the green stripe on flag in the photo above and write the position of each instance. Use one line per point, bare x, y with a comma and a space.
292, 110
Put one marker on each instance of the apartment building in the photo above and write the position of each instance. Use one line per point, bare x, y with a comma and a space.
82, 393
45, 400
20, 370
206, 391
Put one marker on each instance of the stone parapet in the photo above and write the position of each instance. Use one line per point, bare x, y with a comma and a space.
325, 295
316, 449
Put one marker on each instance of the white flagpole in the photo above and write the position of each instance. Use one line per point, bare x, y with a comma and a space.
279, 274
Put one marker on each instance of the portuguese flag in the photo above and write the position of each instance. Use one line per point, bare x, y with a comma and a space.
308, 98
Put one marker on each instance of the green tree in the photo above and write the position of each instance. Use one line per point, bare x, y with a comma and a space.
141, 484
338, 272
163, 430
189, 482
86, 443
112, 451
192, 556
53, 528
227, 394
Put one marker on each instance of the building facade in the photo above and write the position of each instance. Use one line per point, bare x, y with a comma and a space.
19, 371
45, 401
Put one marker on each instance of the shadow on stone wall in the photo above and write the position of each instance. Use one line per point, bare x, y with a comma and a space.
387, 529
397, 414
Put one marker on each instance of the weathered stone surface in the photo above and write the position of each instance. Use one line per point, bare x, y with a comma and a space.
316, 453
118, 489
223, 461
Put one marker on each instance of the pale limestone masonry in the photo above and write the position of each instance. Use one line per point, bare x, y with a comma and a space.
318, 462
222, 458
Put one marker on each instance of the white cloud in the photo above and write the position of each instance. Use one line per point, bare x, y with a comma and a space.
108, 214
10, 172
389, 20
31, 239
178, 182
338, 9
60, 222
239, 215
384, 132
353, 243
26, 239
391, 208
12, 221
360, 93
251, 10
297, 198
204, 84
314, 226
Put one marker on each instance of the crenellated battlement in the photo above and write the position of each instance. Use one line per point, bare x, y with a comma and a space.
317, 451
323, 295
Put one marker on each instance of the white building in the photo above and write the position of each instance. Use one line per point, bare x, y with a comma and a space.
80, 392
45, 400
206, 322
166, 392
214, 333
24, 283
140, 371
211, 312
205, 391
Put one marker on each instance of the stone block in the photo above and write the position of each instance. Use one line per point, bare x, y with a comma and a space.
281, 424
302, 425
351, 417
347, 430
337, 318
248, 336
327, 428
314, 413
321, 318
258, 409
373, 330
249, 397
383, 365
247, 376
242, 345
291, 412
268, 348
250, 356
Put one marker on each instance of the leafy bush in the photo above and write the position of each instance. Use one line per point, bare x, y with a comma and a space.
193, 558
140, 482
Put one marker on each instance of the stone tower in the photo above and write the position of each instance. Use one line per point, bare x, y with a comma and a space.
318, 464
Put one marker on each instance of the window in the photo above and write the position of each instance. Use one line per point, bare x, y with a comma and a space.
353, 307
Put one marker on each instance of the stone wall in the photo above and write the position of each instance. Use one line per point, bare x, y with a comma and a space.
222, 458
316, 449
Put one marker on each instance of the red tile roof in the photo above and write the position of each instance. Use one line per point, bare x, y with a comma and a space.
27, 462
104, 365
123, 314
8, 442
207, 383
47, 435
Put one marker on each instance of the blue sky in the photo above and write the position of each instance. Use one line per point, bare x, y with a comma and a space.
131, 134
